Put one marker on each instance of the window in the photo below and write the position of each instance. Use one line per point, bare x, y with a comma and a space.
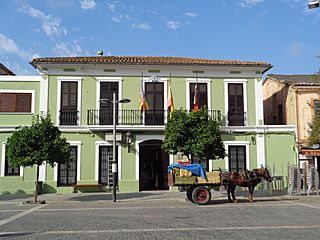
10, 170
280, 114
236, 114
15, 102
105, 165
237, 158
203, 95
67, 172
69, 103
316, 108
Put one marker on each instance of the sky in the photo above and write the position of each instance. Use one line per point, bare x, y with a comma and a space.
284, 33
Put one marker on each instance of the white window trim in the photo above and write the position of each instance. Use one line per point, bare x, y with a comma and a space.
119, 80
67, 79
55, 168
21, 91
106, 143
3, 157
140, 139
200, 80
236, 143
245, 98
165, 93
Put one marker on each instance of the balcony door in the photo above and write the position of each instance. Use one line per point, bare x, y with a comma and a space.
154, 92
106, 107
69, 103
236, 114
202, 95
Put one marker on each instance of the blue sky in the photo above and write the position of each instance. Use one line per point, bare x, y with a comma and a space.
281, 32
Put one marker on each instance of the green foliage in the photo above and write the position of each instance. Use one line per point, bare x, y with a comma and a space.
314, 134
194, 133
30, 146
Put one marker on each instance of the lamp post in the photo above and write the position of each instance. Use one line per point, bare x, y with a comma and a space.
114, 161
313, 4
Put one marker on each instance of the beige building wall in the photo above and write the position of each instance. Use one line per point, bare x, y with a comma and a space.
274, 98
305, 96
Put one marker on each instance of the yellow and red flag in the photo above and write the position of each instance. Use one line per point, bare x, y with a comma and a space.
196, 98
170, 98
143, 105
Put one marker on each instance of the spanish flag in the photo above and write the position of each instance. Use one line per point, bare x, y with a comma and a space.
143, 105
170, 98
196, 98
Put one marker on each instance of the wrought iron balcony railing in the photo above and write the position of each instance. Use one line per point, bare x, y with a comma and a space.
136, 117
69, 117
237, 118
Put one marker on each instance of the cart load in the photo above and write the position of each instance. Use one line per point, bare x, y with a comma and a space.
196, 181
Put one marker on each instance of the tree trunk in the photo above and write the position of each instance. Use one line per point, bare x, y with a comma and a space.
35, 195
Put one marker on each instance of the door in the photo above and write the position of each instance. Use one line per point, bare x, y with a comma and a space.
236, 114
202, 95
69, 103
106, 107
105, 165
237, 158
153, 166
154, 92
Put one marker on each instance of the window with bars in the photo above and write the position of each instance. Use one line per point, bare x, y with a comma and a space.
237, 158
9, 170
67, 172
15, 102
105, 165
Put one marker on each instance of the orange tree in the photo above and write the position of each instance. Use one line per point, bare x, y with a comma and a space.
194, 133
32, 146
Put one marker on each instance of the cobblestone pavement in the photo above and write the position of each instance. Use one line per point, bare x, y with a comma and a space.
159, 215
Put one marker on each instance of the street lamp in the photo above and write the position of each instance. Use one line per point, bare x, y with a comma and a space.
114, 162
313, 4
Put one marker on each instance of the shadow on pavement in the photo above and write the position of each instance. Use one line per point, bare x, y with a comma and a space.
108, 196
7, 197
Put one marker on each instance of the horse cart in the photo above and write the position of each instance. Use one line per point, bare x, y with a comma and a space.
196, 182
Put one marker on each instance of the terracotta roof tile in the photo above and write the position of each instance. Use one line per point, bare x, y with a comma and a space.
134, 60
313, 79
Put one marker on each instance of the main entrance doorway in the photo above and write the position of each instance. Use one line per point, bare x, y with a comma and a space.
153, 166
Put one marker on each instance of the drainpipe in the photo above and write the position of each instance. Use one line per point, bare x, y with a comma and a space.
297, 123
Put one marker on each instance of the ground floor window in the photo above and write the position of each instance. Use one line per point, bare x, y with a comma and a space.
105, 165
9, 170
237, 158
67, 172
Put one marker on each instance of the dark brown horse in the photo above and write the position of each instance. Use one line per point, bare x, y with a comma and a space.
249, 179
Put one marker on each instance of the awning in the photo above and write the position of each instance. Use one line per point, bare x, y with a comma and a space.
310, 152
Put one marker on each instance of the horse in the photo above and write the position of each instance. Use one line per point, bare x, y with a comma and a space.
246, 178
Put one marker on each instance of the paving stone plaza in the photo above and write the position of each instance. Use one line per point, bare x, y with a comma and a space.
159, 215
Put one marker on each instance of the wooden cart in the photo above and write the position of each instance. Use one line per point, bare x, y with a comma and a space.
198, 188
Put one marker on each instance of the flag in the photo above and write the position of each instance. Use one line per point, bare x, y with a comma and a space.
196, 98
170, 98
143, 105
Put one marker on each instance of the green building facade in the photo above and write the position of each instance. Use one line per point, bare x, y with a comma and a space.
78, 91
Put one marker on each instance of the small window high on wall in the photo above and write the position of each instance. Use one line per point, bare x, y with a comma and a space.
15, 102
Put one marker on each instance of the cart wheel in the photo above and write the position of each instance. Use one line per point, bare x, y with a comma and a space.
201, 195
189, 193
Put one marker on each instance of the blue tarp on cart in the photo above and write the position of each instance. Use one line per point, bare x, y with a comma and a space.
196, 169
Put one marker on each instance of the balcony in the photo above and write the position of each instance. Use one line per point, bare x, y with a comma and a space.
237, 118
69, 117
136, 117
